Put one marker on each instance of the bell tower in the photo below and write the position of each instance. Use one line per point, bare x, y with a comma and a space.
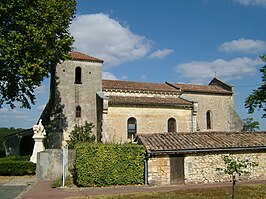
73, 95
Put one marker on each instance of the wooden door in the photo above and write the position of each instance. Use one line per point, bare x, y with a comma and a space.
176, 169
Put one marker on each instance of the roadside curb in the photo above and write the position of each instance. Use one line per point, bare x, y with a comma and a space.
28, 188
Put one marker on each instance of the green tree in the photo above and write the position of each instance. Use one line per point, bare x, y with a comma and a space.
34, 38
251, 125
81, 134
236, 167
5, 132
257, 99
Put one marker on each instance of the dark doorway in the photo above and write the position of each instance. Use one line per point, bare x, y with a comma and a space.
26, 145
176, 169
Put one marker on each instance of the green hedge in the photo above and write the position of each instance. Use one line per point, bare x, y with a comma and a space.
15, 158
109, 164
16, 166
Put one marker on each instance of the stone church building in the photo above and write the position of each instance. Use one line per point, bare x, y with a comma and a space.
185, 128
121, 109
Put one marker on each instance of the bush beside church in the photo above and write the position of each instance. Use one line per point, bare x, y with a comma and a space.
109, 164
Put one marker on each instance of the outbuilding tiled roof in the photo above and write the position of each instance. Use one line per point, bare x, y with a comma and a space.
151, 101
137, 86
78, 56
172, 143
202, 88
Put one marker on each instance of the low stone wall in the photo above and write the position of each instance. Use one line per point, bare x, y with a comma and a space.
49, 164
202, 168
159, 170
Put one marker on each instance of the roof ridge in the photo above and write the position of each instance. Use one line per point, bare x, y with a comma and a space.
78, 56
131, 81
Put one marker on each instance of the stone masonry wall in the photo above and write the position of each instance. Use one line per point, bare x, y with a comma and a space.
223, 115
71, 95
49, 164
149, 120
159, 171
201, 168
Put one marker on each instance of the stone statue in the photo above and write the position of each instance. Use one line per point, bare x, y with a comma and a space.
38, 136
39, 129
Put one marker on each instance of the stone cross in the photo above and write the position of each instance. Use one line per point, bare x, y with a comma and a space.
38, 136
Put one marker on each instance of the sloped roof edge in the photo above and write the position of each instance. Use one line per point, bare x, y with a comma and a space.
175, 142
78, 56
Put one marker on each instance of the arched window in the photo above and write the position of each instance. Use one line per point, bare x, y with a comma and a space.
78, 112
209, 120
171, 125
131, 128
78, 75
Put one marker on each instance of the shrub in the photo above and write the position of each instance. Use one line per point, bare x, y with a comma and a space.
16, 166
59, 182
81, 134
109, 164
15, 158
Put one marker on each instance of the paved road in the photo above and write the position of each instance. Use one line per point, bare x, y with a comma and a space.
14, 187
11, 192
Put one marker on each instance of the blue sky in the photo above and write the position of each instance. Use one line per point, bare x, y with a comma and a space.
167, 40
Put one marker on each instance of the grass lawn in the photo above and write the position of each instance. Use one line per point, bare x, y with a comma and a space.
242, 192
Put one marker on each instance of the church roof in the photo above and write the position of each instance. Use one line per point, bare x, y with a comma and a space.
137, 86
174, 143
194, 88
150, 101
162, 87
78, 56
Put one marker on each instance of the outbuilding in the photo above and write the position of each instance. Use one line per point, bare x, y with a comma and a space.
180, 158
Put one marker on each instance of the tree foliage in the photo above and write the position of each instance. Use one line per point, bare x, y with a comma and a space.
5, 132
234, 167
257, 99
34, 38
81, 134
251, 125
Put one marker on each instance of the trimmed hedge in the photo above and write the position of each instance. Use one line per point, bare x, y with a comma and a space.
15, 158
16, 166
109, 164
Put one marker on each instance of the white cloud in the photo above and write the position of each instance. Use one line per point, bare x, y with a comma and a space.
108, 75
161, 53
252, 2
101, 36
244, 46
22, 119
203, 71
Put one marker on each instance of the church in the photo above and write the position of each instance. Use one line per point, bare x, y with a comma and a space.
185, 128
120, 110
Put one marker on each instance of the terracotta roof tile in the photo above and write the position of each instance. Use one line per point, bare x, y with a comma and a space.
202, 88
78, 56
136, 86
151, 101
162, 87
200, 141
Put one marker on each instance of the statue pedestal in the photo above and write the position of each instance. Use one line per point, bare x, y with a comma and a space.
38, 147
